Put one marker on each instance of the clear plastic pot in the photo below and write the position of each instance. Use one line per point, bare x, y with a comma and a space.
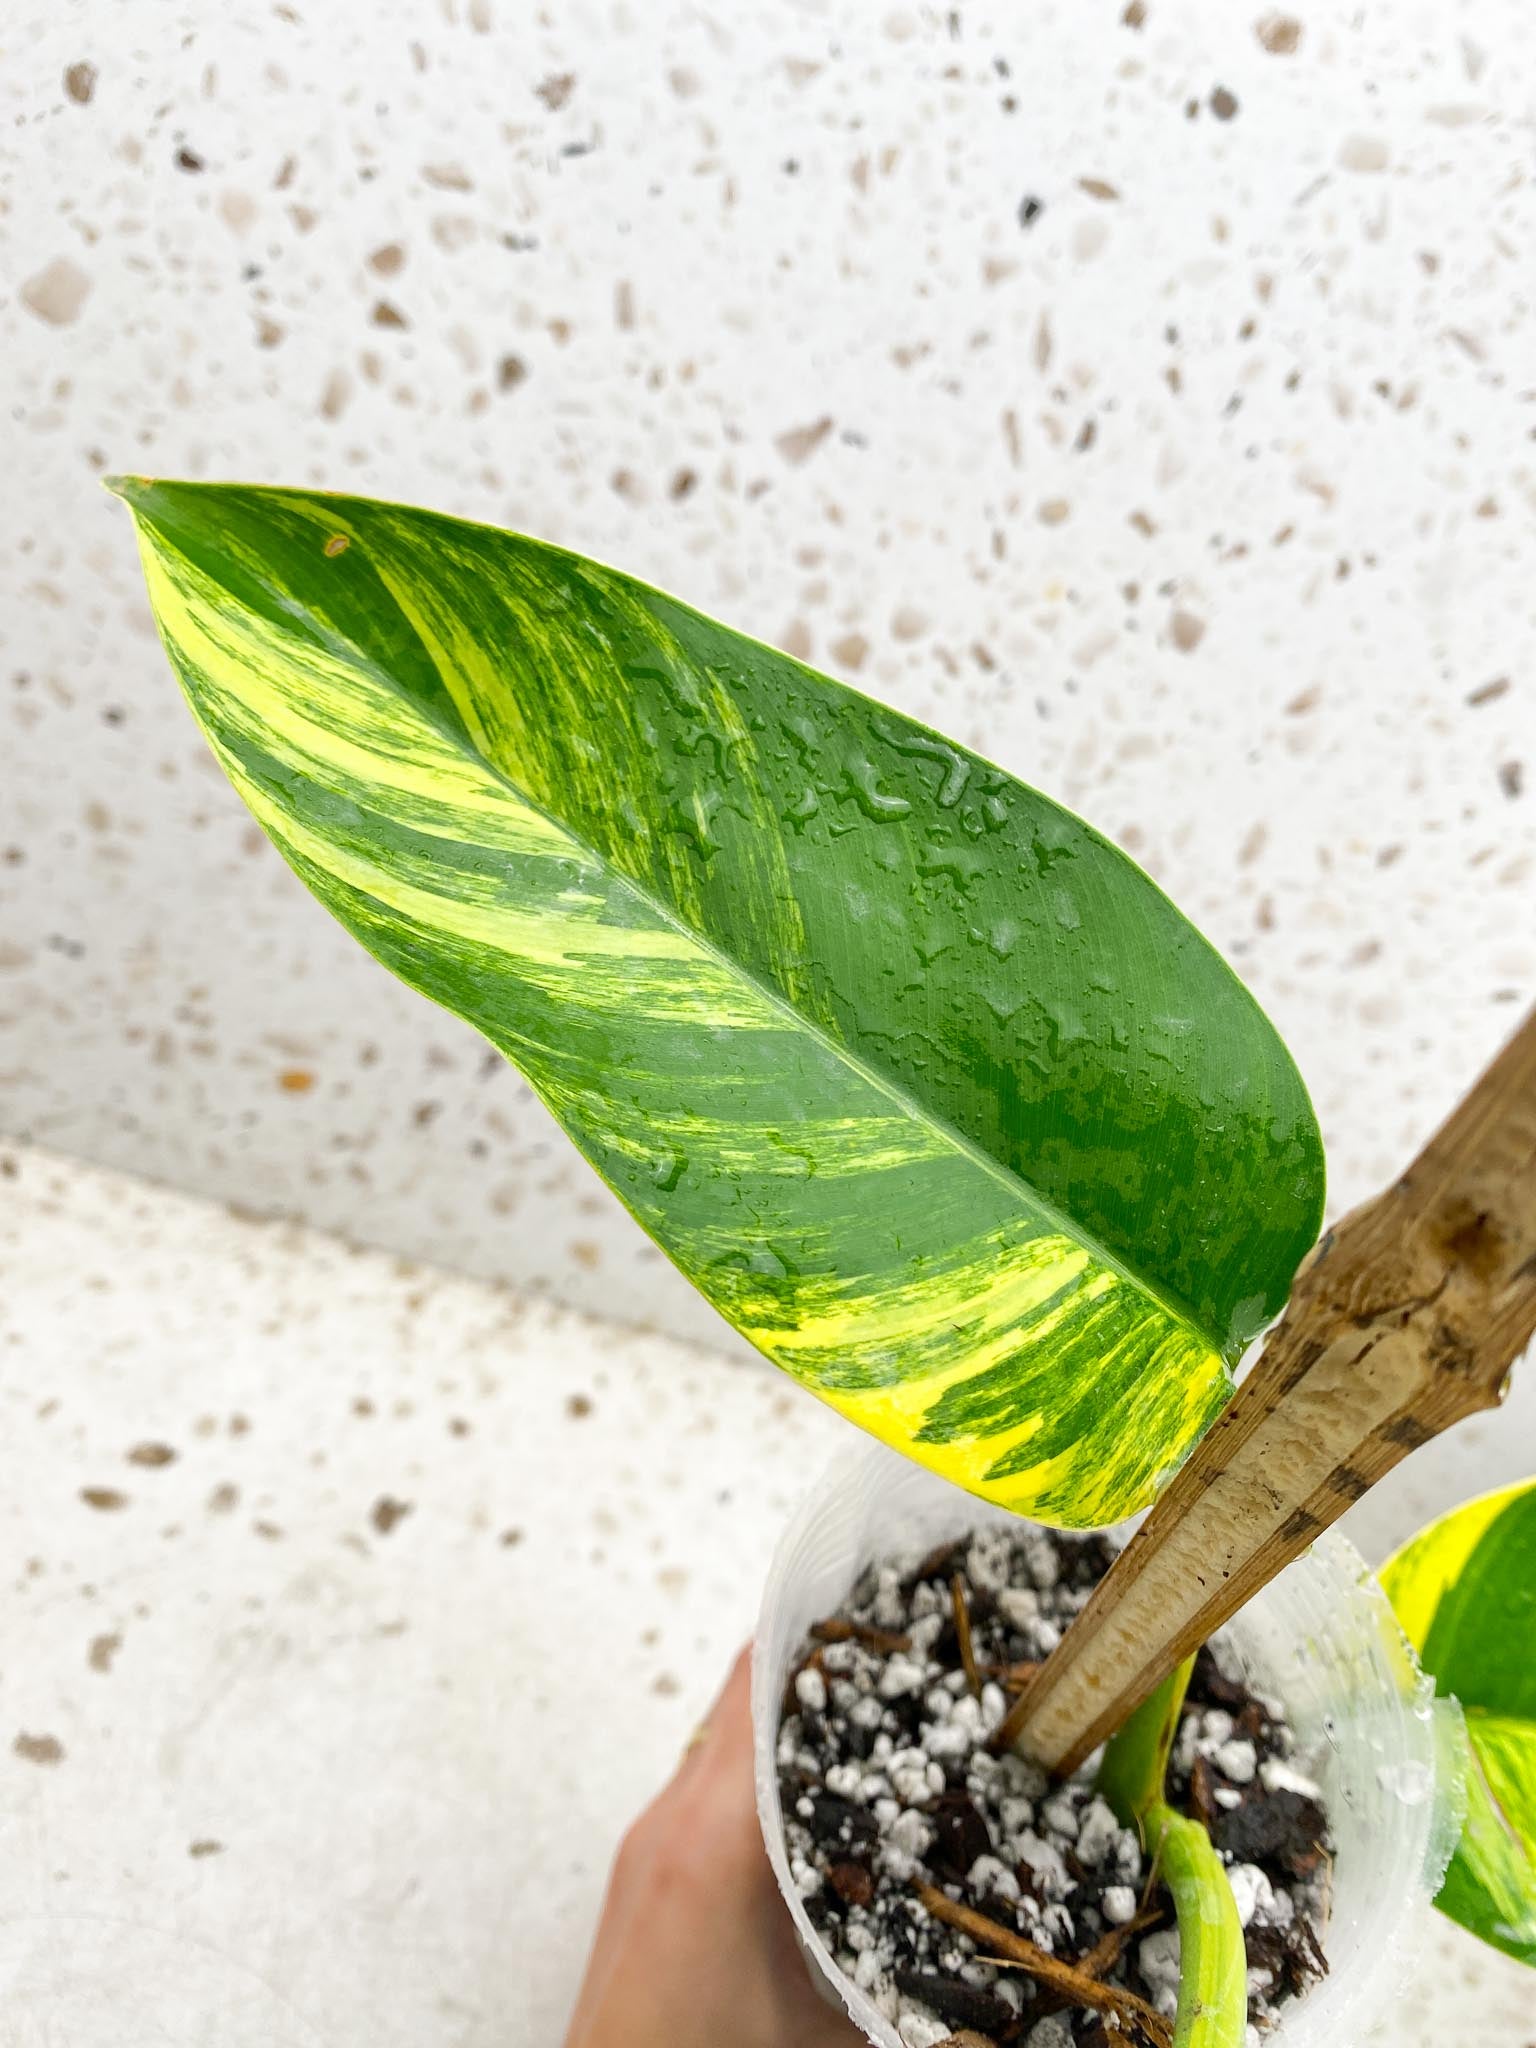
1321, 1637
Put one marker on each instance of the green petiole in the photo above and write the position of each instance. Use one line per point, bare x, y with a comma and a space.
1213, 1962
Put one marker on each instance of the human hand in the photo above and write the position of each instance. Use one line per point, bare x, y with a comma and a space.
695, 1947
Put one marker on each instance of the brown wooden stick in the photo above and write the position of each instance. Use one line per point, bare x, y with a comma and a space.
1106, 1951
963, 1635
1011, 1677
932, 1566
1099, 1960
837, 1629
1127, 2010
1405, 1321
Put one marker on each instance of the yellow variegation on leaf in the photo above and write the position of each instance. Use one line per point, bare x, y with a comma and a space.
1465, 1592
924, 1084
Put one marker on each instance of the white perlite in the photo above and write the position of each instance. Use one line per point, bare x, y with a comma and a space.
903, 1674
1237, 1760
1098, 1833
919, 2029
1118, 1904
1158, 1957
888, 1783
1276, 1776
1253, 1892
994, 1880
811, 1691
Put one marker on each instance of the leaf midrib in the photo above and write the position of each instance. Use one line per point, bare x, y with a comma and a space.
458, 736
775, 997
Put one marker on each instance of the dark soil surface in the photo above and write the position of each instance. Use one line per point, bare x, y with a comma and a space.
887, 1786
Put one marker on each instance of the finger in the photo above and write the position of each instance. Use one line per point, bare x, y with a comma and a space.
720, 1788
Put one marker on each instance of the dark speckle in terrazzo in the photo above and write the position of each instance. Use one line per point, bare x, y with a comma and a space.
39, 1749
1280, 34
103, 1649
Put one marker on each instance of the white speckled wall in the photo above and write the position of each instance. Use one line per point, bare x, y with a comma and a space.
1143, 393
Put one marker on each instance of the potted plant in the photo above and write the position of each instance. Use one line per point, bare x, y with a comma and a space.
1321, 1638
921, 1082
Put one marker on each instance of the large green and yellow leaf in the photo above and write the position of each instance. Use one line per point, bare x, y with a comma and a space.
923, 1084
1465, 1592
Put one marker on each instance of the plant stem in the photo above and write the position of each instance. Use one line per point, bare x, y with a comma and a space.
1135, 1761
1406, 1320
1213, 1966
1213, 1958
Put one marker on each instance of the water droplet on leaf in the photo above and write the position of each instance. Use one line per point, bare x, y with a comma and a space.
669, 1170
863, 784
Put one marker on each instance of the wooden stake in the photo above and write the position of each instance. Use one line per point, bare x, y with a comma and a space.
1405, 1321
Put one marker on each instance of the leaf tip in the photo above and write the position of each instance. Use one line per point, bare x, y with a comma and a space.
131, 489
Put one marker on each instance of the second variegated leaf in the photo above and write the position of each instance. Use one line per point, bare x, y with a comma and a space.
1465, 1592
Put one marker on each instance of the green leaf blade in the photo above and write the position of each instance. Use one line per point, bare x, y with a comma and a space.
1465, 1592
922, 1083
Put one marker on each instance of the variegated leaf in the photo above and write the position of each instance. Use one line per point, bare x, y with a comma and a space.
1465, 1592
923, 1084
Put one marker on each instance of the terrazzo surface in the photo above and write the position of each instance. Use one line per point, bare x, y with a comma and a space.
316, 1561
1142, 394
